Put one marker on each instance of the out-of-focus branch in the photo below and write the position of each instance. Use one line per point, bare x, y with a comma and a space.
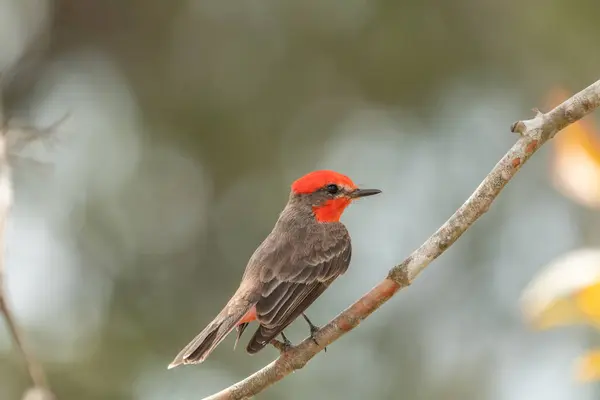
533, 134
41, 390
19, 135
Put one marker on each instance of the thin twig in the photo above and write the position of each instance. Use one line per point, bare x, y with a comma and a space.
20, 135
534, 133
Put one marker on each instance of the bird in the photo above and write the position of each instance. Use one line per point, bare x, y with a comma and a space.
305, 252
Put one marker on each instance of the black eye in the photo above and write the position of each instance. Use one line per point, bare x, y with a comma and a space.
332, 189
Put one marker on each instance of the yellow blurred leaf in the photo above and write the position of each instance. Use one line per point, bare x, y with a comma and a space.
587, 368
566, 292
575, 167
588, 301
560, 312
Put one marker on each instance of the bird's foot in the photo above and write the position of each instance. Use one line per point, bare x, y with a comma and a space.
282, 346
313, 330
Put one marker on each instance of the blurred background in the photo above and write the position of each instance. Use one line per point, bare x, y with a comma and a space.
187, 121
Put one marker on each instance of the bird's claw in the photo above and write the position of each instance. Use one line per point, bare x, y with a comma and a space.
313, 330
282, 346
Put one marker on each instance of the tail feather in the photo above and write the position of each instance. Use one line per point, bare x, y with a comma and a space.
202, 345
240, 329
262, 337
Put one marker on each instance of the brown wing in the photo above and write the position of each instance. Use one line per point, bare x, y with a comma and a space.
295, 275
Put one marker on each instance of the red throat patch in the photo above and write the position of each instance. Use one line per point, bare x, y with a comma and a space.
332, 210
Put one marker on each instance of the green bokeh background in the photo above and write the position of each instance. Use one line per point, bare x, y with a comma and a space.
189, 119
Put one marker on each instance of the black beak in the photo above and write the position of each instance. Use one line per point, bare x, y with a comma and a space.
364, 193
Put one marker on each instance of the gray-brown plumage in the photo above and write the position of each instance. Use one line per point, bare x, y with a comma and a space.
305, 252
295, 265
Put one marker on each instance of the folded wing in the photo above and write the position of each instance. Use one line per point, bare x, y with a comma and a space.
294, 276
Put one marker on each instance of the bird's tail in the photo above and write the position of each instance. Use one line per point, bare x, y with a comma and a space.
206, 341
262, 337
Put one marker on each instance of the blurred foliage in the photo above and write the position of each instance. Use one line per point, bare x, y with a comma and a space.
190, 119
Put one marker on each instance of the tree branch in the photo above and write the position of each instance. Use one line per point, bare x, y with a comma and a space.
41, 390
534, 133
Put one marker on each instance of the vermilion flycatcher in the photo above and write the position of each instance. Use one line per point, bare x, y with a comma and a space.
307, 250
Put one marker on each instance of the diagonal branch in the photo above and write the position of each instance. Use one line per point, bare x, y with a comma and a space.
534, 133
